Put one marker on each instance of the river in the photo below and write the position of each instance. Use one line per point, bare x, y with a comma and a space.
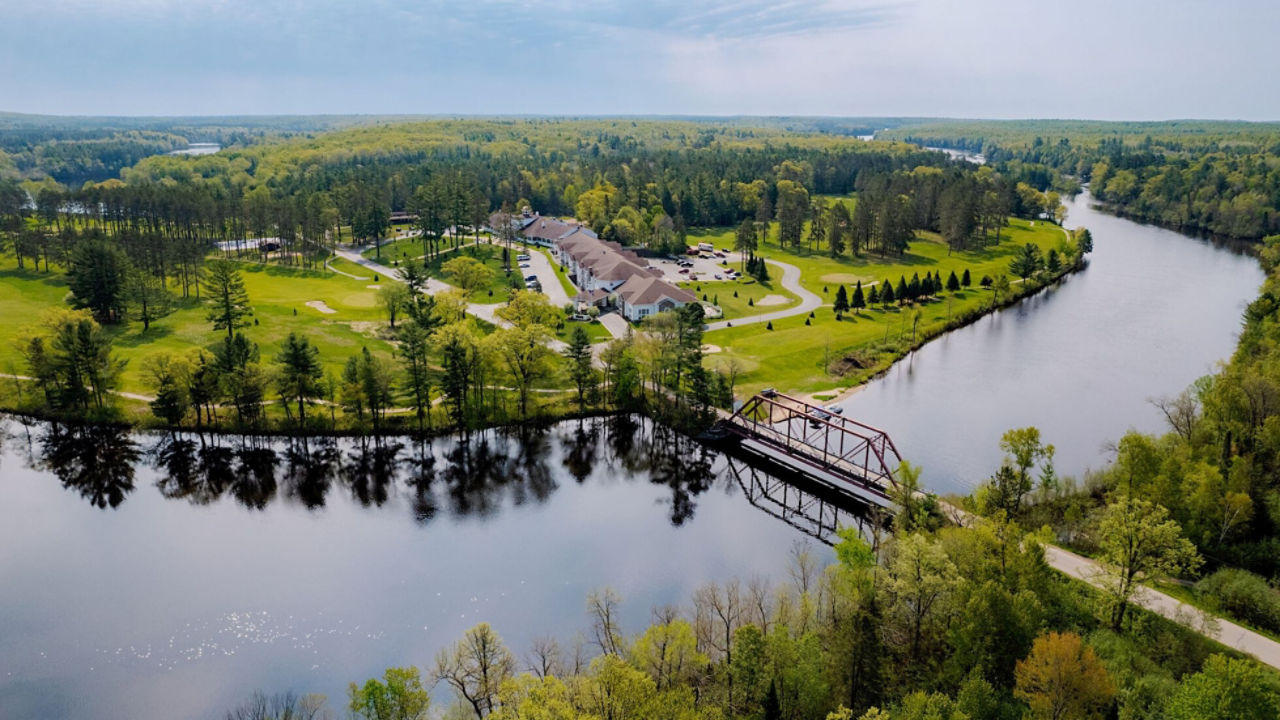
198, 149
1154, 311
147, 578
144, 578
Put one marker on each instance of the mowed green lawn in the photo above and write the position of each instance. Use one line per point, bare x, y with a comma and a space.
499, 287
274, 293
796, 357
749, 293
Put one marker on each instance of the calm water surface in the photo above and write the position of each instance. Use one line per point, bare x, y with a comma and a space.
173, 586
1154, 310
198, 149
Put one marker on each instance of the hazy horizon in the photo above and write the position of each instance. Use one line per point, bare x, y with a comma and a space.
998, 59
655, 116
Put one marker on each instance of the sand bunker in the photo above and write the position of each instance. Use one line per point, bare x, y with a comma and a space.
711, 349
374, 287
321, 306
843, 278
773, 300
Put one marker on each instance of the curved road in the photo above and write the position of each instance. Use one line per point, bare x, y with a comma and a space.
790, 281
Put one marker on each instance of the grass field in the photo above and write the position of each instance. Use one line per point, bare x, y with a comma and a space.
499, 287
595, 331
798, 357
749, 294
347, 266
401, 249
275, 294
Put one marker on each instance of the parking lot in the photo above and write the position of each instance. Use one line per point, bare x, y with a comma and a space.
702, 269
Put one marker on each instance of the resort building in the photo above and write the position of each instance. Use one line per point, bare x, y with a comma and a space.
605, 273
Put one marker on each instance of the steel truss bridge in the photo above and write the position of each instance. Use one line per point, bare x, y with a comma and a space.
844, 451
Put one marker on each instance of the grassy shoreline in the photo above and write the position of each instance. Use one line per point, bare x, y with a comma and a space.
552, 404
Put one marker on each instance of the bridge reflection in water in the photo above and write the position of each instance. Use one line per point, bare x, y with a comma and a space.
805, 504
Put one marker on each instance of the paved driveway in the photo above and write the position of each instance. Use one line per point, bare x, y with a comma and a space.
791, 281
615, 324
541, 265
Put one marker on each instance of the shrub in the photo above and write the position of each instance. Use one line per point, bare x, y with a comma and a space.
1243, 595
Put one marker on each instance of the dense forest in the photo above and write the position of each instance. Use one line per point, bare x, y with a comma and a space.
71, 151
1205, 176
641, 183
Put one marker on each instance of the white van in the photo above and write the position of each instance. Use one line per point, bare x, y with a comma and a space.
706, 247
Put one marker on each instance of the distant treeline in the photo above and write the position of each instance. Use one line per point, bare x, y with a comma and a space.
1217, 177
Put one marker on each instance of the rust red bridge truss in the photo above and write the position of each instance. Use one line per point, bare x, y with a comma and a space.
850, 451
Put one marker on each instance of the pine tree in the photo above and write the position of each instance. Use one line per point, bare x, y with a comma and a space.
953, 282
886, 295
965, 280
230, 300
578, 355
913, 288
873, 296
1053, 263
841, 303
300, 373
858, 302
903, 292
772, 708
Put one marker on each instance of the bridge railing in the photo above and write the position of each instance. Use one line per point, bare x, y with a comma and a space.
852, 450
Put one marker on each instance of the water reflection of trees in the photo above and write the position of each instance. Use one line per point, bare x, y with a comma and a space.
476, 475
97, 461
642, 447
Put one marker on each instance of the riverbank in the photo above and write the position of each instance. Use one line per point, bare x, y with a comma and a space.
551, 405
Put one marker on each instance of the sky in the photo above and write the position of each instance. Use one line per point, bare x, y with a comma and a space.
1097, 59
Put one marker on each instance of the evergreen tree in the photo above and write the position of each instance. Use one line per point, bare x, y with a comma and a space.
98, 274
1052, 262
858, 302
914, 289
300, 373
965, 280
578, 354
229, 299
772, 708
953, 282
903, 293
457, 379
841, 303
1027, 262
1084, 241
886, 295
417, 377
873, 296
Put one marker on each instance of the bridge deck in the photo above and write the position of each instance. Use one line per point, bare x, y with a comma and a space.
853, 452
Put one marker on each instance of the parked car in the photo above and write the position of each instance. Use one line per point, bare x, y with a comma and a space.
691, 251
817, 416
530, 278
524, 265
719, 276
522, 257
